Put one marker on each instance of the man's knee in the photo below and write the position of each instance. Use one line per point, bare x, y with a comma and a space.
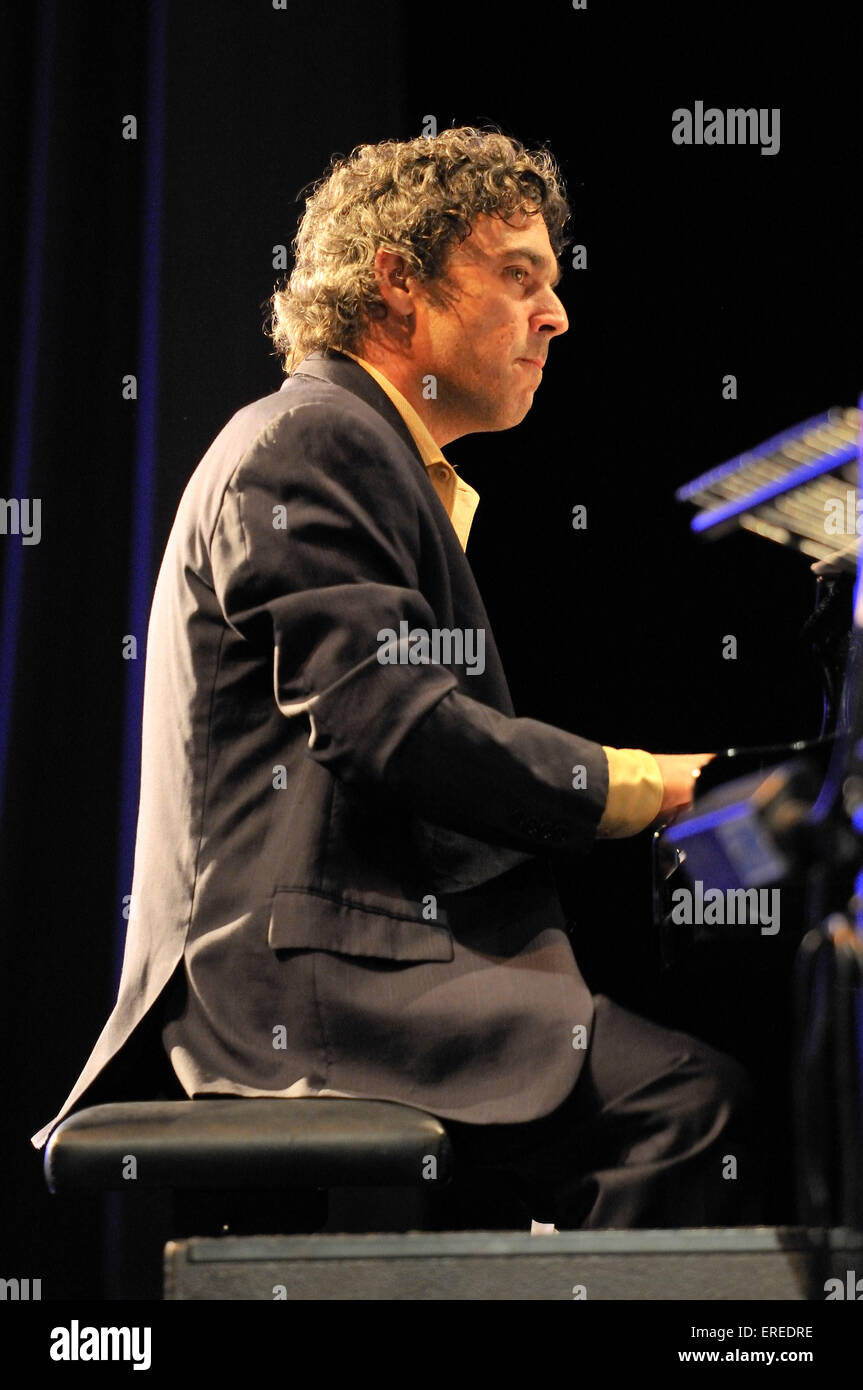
699, 1090
723, 1094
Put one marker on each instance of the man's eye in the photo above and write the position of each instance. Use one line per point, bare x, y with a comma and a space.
517, 270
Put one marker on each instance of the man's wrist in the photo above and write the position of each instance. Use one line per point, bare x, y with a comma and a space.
635, 789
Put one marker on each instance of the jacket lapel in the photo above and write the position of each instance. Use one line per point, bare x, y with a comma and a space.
329, 365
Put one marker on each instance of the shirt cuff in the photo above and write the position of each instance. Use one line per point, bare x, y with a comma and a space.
635, 789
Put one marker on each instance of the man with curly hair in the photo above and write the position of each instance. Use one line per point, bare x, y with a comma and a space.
342, 881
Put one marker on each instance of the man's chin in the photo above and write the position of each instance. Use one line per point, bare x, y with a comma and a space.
501, 414
511, 413
516, 416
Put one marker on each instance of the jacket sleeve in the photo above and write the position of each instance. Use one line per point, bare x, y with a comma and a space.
314, 555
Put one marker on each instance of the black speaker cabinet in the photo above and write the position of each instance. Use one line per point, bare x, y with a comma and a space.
757, 1263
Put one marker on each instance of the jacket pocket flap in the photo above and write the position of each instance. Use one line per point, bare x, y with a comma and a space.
304, 920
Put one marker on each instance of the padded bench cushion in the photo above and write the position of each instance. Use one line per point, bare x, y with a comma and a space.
236, 1144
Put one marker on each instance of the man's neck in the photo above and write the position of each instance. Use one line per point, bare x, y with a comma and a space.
408, 376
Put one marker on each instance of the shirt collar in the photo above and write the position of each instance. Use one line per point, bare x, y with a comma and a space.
459, 499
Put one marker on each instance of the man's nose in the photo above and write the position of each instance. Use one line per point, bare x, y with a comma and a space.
552, 319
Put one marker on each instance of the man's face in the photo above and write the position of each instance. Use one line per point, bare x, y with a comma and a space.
501, 310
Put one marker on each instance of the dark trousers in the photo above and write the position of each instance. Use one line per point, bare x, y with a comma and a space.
659, 1130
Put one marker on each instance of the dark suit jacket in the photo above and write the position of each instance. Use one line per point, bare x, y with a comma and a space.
344, 861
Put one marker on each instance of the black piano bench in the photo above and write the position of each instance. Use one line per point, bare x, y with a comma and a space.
249, 1166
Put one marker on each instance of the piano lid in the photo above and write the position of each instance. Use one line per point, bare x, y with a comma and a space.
798, 489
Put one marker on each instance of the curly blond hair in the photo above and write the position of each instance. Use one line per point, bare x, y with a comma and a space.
417, 198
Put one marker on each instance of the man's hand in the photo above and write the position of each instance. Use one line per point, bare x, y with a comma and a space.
679, 777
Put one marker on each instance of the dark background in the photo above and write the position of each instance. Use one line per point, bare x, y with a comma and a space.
155, 257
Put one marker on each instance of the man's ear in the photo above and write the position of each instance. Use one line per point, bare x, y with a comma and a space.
392, 274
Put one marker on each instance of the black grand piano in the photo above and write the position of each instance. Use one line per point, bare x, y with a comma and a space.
765, 873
